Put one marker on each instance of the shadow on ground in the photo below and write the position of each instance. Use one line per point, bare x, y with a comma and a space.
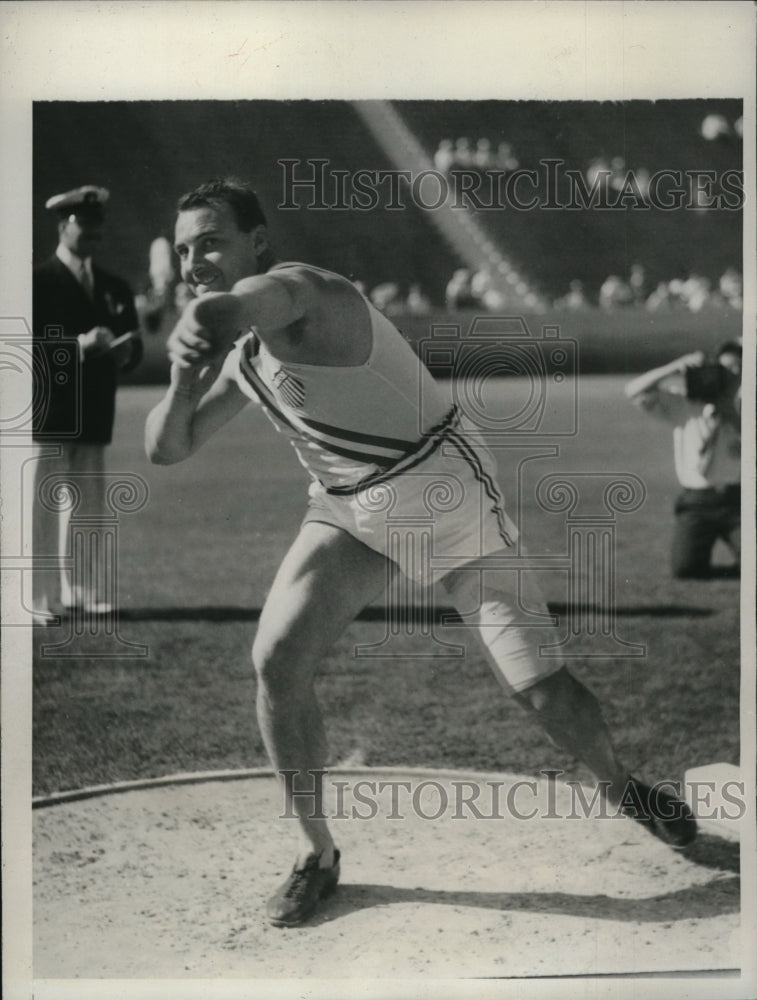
440, 615
713, 852
714, 899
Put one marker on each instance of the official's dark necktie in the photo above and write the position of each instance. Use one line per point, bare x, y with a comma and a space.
85, 280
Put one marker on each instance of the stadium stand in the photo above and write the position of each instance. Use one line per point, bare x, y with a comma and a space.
148, 153
557, 246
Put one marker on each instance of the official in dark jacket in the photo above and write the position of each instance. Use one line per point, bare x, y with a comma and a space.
86, 331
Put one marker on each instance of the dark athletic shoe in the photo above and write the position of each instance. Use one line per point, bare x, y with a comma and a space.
298, 897
661, 813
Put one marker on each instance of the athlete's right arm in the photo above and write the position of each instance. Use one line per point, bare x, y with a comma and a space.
190, 412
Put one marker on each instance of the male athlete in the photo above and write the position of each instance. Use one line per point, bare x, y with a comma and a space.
374, 432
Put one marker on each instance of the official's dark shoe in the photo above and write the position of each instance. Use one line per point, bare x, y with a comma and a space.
296, 900
661, 813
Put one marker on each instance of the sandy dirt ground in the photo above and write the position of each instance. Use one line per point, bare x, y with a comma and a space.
171, 881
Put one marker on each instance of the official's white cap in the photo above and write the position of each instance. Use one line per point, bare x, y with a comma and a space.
86, 199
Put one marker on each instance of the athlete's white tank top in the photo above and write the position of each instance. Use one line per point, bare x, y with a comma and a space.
350, 425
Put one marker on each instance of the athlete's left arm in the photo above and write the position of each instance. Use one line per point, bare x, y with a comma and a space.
211, 323
273, 302
313, 316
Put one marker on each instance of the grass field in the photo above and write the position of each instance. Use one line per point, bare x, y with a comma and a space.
194, 565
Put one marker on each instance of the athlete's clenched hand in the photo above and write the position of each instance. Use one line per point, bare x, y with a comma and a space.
206, 330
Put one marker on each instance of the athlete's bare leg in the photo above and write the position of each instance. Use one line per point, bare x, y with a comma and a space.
567, 711
572, 719
324, 581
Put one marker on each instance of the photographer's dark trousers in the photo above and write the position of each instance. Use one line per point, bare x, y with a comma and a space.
702, 517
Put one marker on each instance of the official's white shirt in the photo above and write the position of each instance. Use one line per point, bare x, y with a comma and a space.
74, 263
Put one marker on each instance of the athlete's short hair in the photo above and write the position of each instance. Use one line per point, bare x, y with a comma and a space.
227, 190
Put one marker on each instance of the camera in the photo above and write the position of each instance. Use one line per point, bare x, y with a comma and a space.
705, 383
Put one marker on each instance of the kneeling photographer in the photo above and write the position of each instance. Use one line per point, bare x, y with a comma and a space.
701, 400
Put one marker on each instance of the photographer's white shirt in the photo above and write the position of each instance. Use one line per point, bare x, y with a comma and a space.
706, 445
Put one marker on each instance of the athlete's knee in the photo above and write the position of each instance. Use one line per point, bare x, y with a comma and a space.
556, 691
271, 657
280, 664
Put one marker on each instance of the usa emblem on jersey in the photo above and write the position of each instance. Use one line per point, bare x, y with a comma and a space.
289, 388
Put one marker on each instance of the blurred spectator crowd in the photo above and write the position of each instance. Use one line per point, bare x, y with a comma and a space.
467, 289
163, 298
462, 154
694, 293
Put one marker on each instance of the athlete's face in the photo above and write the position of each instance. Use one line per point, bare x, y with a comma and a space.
214, 253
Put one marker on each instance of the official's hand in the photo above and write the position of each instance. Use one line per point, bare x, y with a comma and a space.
122, 353
95, 341
206, 330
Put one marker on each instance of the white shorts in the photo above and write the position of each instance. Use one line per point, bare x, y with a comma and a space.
445, 516
443, 513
